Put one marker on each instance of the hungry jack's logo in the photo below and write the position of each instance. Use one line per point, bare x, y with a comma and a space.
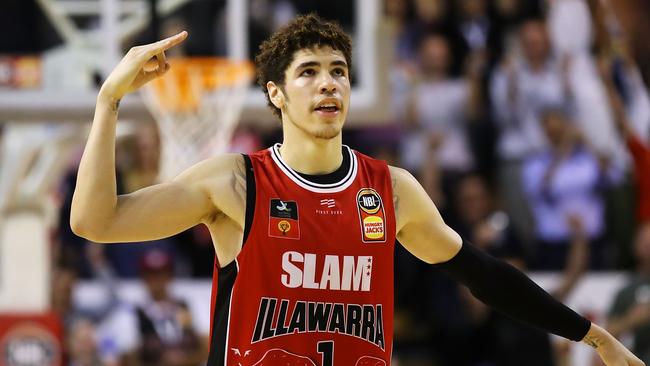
283, 219
371, 216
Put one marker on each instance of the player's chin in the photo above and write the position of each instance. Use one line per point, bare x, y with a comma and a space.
328, 132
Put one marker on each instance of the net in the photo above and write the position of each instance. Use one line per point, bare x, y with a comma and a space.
197, 106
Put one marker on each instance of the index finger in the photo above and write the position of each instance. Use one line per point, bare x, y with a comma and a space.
167, 43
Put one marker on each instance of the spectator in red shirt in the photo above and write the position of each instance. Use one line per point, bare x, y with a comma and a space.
640, 152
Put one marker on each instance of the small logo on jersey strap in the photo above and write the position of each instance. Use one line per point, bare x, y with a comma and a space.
372, 218
283, 219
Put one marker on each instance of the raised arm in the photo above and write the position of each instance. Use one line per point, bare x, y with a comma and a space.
421, 230
98, 214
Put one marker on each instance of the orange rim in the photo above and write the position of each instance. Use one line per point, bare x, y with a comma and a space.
182, 88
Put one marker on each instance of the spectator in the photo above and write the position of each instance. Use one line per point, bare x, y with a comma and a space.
483, 224
562, 183
524, 83
412, 21
398, 17
479, 38
430, 16
638, 149
166, 329
437, 146
626, 97
106, 327
131, 174
479, 31
630, 312
474, 24
82, 345
64, 278
571, 27
523, 86
489, 337
508, 16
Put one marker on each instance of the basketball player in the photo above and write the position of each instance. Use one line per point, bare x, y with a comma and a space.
304, 230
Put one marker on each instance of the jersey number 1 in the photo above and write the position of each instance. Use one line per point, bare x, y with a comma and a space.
326, 349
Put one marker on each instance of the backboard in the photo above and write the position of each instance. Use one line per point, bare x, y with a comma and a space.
90, 53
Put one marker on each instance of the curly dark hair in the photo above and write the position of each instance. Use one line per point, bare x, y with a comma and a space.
305, 31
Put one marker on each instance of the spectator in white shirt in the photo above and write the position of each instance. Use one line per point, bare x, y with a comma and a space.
438, 108
528, 79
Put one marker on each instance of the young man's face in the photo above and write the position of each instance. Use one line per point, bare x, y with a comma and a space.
316, 92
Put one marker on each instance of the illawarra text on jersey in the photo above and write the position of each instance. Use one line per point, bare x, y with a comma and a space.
361, 321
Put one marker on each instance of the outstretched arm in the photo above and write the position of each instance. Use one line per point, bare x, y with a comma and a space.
98, 213
422, 232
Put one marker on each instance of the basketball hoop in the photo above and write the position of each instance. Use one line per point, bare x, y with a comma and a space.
196, 106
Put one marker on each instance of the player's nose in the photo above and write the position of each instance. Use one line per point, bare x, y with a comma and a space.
327, 84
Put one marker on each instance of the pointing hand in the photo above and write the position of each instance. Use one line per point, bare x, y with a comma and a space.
130, 74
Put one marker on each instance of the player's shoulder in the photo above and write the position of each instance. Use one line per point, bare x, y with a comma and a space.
400, 175
405, 185
223, 165
225, 161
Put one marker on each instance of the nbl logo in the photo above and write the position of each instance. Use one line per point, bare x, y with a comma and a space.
369, 201
371, 216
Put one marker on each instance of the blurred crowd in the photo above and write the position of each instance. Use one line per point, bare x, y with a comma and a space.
527, 122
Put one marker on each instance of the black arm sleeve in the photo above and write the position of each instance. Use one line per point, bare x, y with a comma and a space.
506, 289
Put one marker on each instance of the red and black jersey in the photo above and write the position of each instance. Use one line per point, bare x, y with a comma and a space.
313, 283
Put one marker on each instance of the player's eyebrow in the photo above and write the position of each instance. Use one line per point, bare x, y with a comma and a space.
308, 64
339, 63
316, 63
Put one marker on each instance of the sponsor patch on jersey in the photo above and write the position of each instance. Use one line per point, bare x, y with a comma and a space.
372, 218
283, 219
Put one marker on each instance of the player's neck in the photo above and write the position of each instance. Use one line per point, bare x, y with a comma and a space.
310, 155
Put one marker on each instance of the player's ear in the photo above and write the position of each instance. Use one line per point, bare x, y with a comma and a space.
275, 94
